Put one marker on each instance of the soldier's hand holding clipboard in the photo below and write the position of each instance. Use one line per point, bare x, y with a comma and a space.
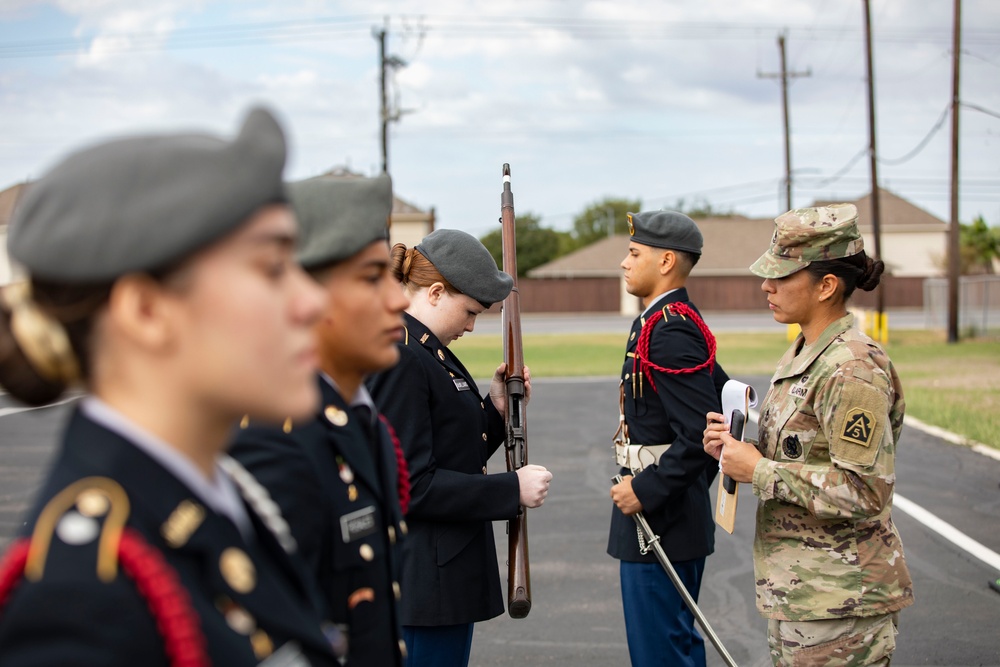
737, 399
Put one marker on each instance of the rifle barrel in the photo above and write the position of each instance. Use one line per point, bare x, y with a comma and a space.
516, 446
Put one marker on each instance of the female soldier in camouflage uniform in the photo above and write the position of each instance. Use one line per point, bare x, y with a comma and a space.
827, 558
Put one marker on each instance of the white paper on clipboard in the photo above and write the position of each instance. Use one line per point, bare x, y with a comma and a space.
740, 396
737, 395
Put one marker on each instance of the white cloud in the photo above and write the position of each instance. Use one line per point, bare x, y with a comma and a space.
590, 98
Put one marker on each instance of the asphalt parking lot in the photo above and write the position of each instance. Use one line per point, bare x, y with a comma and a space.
576, 616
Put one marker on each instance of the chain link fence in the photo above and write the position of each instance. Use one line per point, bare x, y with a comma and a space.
978, 305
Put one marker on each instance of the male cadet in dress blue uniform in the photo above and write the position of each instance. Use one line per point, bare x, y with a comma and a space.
340, 479
134, 554
669, 379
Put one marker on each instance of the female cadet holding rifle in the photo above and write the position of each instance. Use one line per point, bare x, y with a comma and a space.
828, 561
448, 431
162, 278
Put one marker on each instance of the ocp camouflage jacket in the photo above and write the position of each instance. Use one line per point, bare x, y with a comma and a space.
825, 544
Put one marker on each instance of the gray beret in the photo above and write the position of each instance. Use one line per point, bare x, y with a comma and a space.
142, 203
339, 217
466, 264
665, 229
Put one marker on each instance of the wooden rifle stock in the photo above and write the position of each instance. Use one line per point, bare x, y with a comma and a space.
516, 446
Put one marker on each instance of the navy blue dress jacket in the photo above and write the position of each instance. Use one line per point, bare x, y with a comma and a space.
674, 494
250, 599
335, 479
448, 432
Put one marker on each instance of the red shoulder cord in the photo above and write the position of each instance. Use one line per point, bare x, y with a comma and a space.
403, 483
12, 568
157, 582
642, 360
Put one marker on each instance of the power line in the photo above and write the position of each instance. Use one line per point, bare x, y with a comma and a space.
843, 170
980, 109
979, 57
923, 142
249, 34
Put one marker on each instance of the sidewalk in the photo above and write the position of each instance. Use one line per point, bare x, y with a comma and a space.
613, 323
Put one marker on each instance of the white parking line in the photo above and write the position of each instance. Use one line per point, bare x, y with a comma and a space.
953, 438
947, 531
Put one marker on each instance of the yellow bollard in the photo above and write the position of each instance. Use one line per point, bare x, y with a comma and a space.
792, 331
874, 324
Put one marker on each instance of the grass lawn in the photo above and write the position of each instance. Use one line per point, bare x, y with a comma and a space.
956, 387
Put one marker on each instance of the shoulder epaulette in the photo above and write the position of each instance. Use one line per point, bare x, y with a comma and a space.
642, 363
286, 426
73, 515
77, 509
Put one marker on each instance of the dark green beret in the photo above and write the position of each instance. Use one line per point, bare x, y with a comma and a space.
142, 203
665, 229
466, 264
339, 217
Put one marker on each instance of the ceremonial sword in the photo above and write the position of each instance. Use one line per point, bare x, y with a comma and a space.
653, 542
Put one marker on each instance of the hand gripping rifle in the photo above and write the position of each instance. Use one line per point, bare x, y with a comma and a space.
516, 446
651, 541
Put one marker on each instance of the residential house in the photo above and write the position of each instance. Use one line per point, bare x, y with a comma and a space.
912, 244
8, 199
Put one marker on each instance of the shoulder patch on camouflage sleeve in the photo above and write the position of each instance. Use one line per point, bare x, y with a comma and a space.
858, 424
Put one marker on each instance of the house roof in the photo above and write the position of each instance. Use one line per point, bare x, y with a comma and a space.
735, 242
895, 214
731, 245
8, 198
600, 259
402, 210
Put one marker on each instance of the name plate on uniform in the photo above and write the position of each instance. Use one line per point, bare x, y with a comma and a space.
289, 655
358, 524
461, 384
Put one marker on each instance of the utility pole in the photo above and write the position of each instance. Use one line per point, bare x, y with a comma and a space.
386, 114
383, 110
953, 232
785, 75
872, 155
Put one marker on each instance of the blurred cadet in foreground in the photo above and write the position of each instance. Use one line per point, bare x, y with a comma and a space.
339, 476
163, 278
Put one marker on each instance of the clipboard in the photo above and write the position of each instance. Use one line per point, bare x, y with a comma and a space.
737, 399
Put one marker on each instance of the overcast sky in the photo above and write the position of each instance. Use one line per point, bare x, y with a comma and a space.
656, 100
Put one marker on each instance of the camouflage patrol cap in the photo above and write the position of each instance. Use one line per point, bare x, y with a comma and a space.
806, 235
